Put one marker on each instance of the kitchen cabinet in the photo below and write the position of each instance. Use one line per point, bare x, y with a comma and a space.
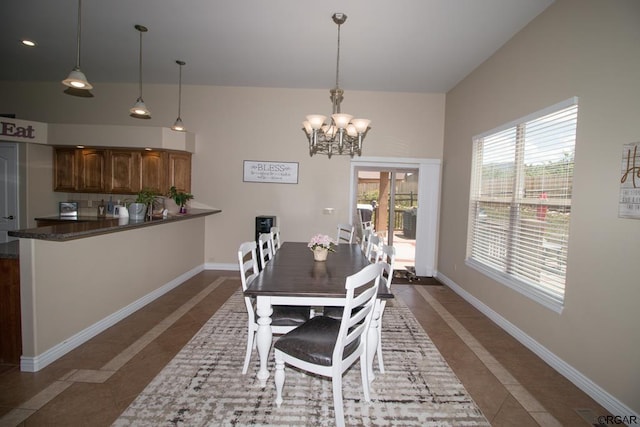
123, 172
179, 171
65, 169
120, 170
10, 323
91, 170
153, 168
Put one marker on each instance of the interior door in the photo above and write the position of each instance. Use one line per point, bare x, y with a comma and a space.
8, 190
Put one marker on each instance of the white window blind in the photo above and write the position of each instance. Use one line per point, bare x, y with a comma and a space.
520, 202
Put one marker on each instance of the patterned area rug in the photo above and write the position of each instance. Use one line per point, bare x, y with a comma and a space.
203, 385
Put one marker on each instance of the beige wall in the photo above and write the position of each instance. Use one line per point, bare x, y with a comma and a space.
236, 124
70, 288
589, 49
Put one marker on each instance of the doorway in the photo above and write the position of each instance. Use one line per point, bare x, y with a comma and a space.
426, 172
387, 202
8, 190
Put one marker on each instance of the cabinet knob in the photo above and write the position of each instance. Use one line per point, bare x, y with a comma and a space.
8, 217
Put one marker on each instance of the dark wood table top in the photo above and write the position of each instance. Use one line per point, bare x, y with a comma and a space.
293, 272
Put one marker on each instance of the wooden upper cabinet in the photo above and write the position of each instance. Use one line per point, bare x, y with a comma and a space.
153, 168
123, 174
179, 171
64, 169
91, 170
120, 170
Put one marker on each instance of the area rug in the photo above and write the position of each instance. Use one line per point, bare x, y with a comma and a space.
203, 385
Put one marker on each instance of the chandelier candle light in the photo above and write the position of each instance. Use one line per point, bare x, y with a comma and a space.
321, 245
342, 134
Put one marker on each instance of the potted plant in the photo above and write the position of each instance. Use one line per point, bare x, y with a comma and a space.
142, 204
321, 245
180, 197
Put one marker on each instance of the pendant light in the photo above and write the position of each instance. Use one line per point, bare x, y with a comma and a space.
139, 109
178, 125
77, 82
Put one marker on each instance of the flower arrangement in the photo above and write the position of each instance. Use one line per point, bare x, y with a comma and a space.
321, 241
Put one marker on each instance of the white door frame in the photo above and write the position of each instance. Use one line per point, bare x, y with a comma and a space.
9, 186
429, 171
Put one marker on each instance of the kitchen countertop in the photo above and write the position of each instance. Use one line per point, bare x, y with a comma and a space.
71, 228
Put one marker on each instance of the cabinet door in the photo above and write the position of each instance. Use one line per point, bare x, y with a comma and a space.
64, 169
180, 171
153, 171
123, 172
91, 168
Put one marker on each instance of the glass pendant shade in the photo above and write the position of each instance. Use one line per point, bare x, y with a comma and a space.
178, 125
77, 80
140, 110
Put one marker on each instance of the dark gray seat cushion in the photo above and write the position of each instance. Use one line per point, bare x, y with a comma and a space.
289, 315
314, 341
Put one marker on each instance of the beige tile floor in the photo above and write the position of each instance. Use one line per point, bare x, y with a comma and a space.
94, 383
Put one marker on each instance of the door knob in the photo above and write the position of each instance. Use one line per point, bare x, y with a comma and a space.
8, 217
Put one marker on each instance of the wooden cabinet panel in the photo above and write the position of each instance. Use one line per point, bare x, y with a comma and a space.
10, 323
153, 170
91, 168
180, 171
64, 169
123, 172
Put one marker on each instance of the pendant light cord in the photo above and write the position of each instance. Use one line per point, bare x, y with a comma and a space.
79, 32
338, 60
140, 67
179, 89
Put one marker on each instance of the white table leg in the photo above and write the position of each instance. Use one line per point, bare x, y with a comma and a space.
264, 336
372, 339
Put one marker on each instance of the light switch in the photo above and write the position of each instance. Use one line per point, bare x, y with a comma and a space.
328, 211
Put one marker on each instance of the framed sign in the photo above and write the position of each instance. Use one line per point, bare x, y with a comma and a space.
272, 172
629, 206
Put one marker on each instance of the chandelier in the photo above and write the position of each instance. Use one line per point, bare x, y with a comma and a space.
341, 134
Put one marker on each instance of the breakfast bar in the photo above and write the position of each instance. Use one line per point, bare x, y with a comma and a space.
79, 278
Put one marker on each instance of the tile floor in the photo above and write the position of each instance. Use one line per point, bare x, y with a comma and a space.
94, 383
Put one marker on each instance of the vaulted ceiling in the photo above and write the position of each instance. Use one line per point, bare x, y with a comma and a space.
404, 46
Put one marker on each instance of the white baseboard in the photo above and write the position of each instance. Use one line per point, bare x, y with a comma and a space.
596, 392
220, 266
34, 364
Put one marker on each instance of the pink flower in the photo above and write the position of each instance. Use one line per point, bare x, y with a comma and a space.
321, 241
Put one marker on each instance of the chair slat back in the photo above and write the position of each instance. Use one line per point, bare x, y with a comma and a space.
345, 233
264, 248
275, 239
356, 322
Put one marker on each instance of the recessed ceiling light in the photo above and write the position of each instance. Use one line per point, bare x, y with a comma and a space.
28, 42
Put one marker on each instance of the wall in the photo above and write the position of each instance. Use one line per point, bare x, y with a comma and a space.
234, 124
589, 49
72, 290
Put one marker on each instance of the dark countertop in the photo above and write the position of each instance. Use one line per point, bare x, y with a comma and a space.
10, 250
81, 227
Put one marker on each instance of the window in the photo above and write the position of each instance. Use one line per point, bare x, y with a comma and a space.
520, 202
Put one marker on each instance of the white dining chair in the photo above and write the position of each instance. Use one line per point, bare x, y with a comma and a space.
345, 233
387, 258
275, 239
364, 242
374, 248
283, 318
327, 346
264, 249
